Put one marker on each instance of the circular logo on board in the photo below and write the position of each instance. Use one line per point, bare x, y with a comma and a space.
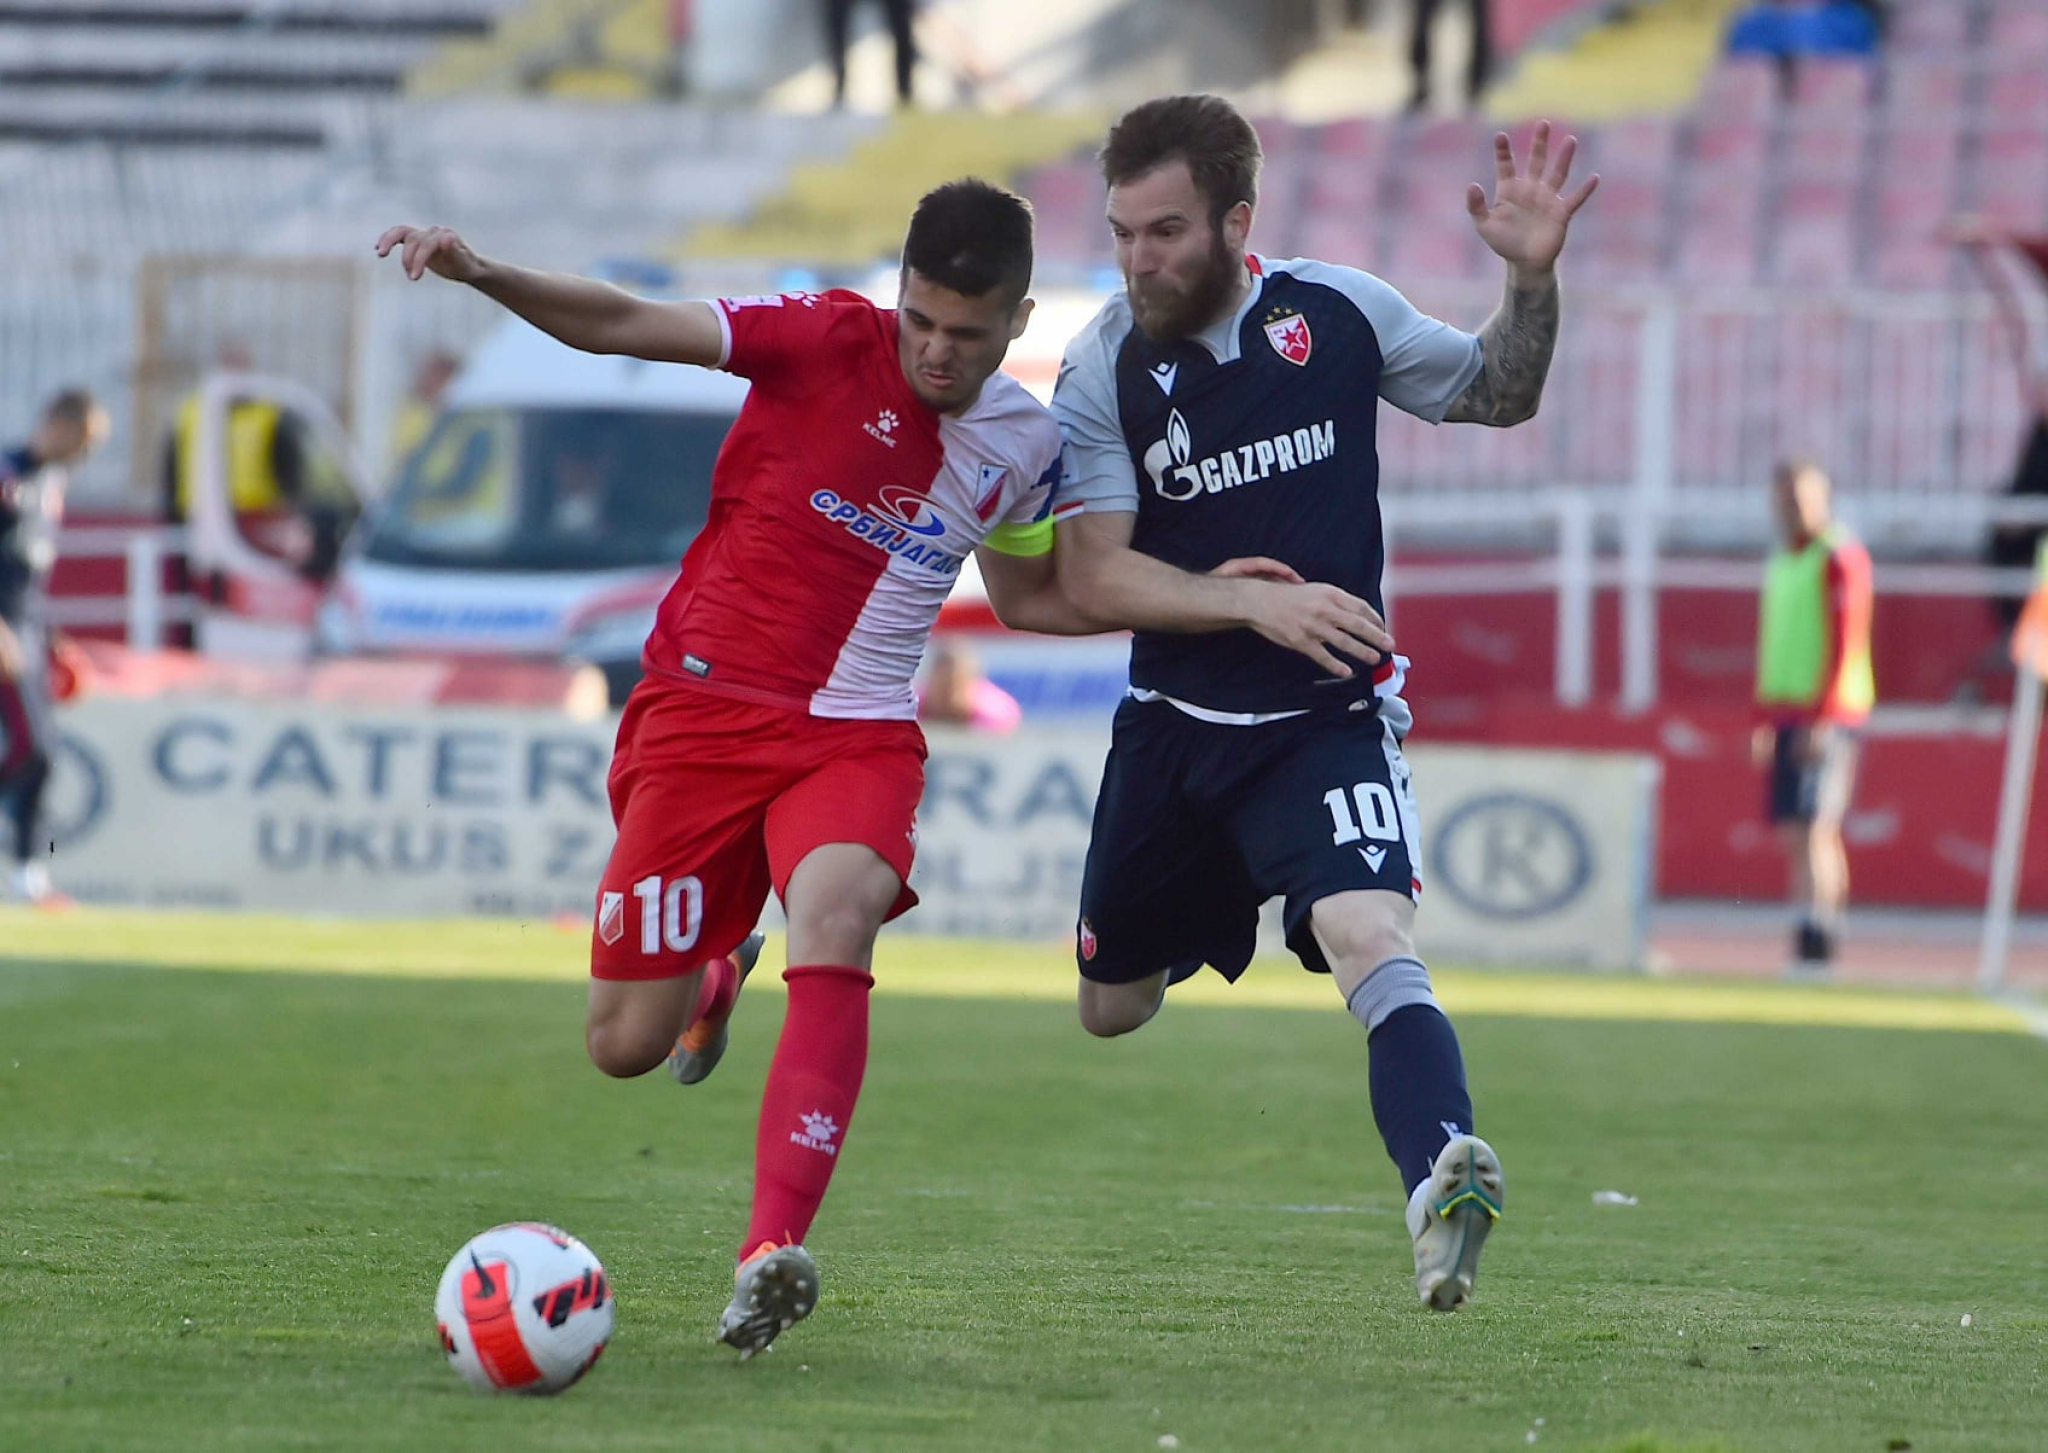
1511, 856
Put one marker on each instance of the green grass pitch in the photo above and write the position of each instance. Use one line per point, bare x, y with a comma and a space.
235, 1154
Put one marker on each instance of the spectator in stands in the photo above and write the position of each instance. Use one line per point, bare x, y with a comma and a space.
955, 692
1479, 65
422, 404
33, 479
838, 32
1789, 29
1814, 691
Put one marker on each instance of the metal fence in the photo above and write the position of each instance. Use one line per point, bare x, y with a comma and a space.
1912, 402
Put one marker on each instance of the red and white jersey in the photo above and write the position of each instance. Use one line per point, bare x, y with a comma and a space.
841, 509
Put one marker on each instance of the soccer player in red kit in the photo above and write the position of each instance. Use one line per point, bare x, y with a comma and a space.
773, 742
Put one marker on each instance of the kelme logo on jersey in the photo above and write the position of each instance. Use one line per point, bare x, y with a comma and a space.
911, 510
913, 546
1177, 475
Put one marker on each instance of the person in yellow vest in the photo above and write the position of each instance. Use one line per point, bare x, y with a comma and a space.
266, 459
1814, 691
415, 415
266, 454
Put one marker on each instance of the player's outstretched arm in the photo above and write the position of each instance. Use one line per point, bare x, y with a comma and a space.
1024, 591
584, 313
1525, 225
1121, 588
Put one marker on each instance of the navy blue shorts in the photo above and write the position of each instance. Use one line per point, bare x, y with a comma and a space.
1199, 823
1807, 786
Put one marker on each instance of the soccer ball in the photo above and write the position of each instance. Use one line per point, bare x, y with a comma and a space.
524, 1308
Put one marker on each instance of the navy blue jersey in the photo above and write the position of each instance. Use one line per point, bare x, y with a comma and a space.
1255, 438
31, 503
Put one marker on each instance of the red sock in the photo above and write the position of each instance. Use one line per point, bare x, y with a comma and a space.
812, 1084
720, 987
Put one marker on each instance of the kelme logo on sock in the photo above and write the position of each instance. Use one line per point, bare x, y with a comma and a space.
819, 1132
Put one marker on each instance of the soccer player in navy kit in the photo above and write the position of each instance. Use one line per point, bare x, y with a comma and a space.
33, 479
1224, 404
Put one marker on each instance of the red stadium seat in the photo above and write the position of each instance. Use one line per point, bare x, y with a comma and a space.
1820, 252
1829, 85
1834, 151
2010, 180
1930, 25
1642, 145
1921, 86
1740, 143
2017, 28
1740, 89
1342, 188
1455, 139
1355, 137
1718, 255
2016, 93
1904, 261
1343, 238
1434, 253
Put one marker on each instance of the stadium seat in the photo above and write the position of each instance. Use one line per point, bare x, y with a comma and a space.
1835, 150
1725, 255
1930, 25
2017, 28
1342, 188
2016, 93
1347, 239
1920, 86
1815, 252
1737, 144
1641, 145
2009, 182
1354, 137
1740, 89
1829, 86
1904, 261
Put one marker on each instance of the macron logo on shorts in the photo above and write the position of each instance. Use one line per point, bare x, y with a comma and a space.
611, 917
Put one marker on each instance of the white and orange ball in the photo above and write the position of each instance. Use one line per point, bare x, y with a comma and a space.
524, 1308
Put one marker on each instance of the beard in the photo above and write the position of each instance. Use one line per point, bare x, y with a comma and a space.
1169, 313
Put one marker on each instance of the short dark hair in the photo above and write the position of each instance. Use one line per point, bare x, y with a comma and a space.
73, 406
972, 236
1207, 132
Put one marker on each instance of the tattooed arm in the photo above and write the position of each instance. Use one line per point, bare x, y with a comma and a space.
1525, 226
1515, 346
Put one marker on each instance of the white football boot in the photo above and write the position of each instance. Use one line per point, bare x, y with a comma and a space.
1449, 1216
773, 1290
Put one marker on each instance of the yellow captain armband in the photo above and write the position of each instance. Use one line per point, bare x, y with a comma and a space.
1028, 541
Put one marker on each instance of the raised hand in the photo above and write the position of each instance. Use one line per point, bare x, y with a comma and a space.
436, 248
1526, 222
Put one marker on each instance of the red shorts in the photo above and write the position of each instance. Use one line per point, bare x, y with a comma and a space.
717, 800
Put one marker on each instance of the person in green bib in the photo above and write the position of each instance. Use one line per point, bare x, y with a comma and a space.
1814, 692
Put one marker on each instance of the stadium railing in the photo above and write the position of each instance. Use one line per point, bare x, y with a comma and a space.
143, 608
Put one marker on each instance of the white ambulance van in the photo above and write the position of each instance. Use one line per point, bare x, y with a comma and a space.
544, 515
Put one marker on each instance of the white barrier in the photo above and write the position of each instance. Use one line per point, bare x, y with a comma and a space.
308, 808
1536, 856
1539, 857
